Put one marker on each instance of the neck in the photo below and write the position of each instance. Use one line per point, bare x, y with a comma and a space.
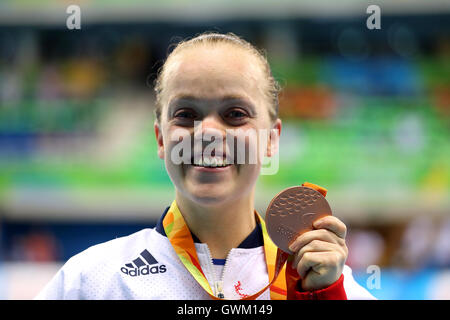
221, 227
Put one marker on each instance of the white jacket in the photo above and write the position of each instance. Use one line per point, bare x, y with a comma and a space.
144, 265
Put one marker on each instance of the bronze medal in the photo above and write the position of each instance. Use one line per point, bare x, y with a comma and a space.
292, 213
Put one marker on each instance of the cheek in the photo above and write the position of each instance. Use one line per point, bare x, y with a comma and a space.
178, 144
250, 146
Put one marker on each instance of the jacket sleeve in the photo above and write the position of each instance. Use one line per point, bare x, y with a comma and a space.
335, 291
345, 288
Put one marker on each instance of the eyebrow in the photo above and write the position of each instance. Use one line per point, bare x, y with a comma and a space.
187, 98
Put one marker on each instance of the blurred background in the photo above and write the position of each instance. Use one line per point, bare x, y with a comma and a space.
366, 114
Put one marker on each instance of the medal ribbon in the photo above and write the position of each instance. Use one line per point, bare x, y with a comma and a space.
180, 237
281, 284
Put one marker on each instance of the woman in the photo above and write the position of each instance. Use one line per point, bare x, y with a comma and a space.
210, 243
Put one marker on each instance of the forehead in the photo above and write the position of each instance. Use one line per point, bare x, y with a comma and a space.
212, 71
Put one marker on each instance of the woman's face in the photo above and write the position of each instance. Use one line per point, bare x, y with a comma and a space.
221, 88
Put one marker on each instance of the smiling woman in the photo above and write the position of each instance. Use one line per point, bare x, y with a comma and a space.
222, 82
210, 242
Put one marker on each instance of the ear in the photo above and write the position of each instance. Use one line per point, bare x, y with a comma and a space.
159, 139
274, 138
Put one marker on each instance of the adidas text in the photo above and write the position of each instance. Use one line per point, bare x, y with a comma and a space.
146, 270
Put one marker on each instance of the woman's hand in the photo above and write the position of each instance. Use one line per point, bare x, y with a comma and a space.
320, 254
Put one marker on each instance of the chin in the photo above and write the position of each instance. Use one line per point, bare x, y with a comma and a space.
210, 196
209, 201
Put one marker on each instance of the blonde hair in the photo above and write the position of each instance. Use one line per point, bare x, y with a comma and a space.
272, 88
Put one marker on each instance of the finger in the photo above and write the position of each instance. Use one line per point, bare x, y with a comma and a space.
310, 260
307, 237
316, 246
333, 224
319, 263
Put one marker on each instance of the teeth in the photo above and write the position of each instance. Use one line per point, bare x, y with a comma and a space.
212, 162
197, 162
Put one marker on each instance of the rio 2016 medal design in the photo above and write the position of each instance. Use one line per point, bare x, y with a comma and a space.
292, 212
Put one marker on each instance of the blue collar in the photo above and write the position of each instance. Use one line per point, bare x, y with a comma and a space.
254, 239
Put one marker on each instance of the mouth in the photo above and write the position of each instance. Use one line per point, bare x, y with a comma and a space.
210, 164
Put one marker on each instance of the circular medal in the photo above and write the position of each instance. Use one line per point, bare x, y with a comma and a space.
292, 212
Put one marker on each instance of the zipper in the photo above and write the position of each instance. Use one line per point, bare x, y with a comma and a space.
218, 284
221, 295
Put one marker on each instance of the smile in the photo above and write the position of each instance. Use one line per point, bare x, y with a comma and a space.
211, 162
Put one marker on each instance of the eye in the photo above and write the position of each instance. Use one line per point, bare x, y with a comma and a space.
236, 114
185, 114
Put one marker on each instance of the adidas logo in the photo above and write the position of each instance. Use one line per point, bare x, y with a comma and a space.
141, 266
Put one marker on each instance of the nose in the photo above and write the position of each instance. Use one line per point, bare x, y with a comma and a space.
210, 131
212, 122
211, 125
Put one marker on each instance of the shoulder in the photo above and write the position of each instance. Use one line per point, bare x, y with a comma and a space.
109, 255
118, 246
97, 266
